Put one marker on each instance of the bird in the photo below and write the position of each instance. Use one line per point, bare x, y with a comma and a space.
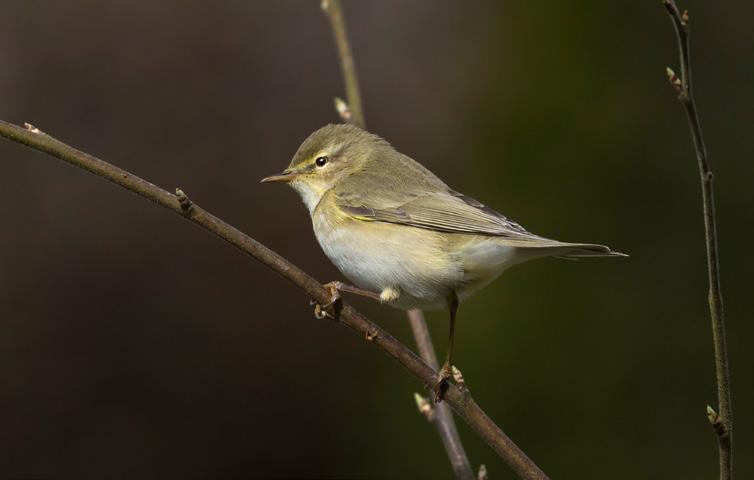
400, 234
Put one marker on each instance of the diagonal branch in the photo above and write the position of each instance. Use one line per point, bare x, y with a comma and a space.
722, 422
353, 112
459, 401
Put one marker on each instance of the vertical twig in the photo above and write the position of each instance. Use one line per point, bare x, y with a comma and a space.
353, 96
351, 111
723, 421
442, 417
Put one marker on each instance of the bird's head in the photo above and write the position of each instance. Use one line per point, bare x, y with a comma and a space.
327, 157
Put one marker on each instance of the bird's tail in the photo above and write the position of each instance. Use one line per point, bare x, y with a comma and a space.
581, 250
552, 248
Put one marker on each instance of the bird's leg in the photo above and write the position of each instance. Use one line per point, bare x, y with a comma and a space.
446, 372
335, 288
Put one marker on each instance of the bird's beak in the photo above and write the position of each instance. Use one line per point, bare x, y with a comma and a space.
285, 176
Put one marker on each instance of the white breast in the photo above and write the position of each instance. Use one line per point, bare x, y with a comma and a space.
376, 256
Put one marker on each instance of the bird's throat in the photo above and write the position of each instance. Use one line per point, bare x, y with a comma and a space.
310, 194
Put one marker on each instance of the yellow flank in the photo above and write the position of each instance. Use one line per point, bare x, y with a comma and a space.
407, 266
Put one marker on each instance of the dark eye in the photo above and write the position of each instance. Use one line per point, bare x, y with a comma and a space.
321, 161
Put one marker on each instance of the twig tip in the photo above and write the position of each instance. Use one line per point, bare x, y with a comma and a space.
718, 424
458, 376
344, 111
482, 475
183, 200
31, 128
711, 415
675, 80
424, 406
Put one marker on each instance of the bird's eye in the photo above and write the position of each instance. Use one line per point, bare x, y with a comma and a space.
321, 161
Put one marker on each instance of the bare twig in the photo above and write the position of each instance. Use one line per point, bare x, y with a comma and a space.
352, 112
722, 422
443, 418
462, 404
353, 97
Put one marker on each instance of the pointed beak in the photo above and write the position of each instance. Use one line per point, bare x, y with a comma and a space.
284, 176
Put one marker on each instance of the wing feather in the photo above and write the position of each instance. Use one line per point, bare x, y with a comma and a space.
444, 211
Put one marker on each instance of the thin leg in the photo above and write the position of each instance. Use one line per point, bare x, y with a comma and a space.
449, 355
334, 303
446, 371
342, 287
337, 287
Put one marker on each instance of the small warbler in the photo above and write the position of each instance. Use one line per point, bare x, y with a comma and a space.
400, 233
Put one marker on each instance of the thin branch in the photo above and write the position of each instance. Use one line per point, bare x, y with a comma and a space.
440, 416
722, 422
460, 402
334, 12
442, 419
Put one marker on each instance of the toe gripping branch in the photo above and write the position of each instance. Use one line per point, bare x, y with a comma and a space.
443, 377
332, 308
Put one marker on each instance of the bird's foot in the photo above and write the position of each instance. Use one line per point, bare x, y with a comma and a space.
334, 288
441, 387
323, 311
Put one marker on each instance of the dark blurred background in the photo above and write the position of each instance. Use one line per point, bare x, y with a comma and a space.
134, 344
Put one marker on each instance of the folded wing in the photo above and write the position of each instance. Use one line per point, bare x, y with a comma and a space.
419, 199
446, 211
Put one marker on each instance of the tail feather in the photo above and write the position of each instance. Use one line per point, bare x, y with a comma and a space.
553, 248
581, 250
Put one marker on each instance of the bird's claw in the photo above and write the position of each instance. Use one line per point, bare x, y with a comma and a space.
319, 312
322, 311
334, 288
441, 387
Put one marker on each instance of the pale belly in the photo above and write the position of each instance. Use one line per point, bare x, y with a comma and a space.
425, 266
